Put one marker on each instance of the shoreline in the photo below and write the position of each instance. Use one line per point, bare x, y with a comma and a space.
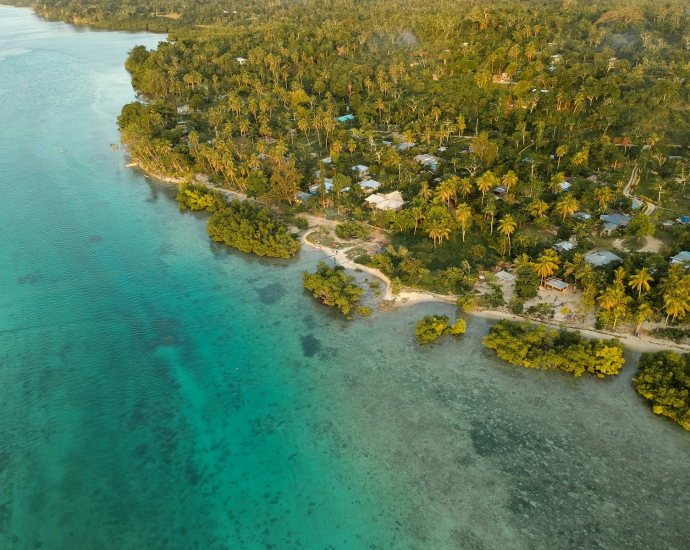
408, 296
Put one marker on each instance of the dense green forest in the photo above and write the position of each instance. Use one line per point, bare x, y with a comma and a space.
536, 115
664, 379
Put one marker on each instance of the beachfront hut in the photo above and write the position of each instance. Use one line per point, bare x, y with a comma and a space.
556, 284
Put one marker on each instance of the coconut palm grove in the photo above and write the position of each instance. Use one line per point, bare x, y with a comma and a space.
543, 139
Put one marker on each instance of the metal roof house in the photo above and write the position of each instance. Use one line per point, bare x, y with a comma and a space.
621, 220
391, 201
499, 191
345, 118
563, 246
370, 185
405, 145
328, 184
598, 259
581, 216
361, 170
427, 160
241, 60
556, 284
681, 258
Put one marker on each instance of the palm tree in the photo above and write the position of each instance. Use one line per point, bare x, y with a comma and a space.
640, 281
644, 313
490, 211
464, 187
567, 206
538, 208
619, 275
485, 182
509, 179
438, 230
445, 193
604, 196
575, 267
676, 303
507, 227
546, 265
614, 299
561, 151
418, 215
464, 214
522, 261
425, 192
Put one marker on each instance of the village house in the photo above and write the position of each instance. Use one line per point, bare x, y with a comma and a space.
429, 161
183, 110
361, 170
369, 185
563, 246
390, 201
614, 222
241, 60
599, 259
681, 258
556, 284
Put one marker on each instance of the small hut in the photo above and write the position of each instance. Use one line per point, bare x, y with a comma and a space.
556, 284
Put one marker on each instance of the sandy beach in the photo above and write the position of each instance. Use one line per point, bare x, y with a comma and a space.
408, 296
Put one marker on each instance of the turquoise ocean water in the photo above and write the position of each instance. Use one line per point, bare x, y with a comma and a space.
159, 391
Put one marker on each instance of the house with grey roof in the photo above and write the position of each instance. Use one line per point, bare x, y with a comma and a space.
563, 246
599, 259
681, 258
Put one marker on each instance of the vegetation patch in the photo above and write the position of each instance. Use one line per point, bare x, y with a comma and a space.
536, 346
664, 378
352, 230
333, 287
250, 228
432, 327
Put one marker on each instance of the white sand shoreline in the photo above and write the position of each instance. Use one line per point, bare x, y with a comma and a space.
409, 297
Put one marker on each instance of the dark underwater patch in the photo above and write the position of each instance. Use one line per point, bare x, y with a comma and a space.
310, 346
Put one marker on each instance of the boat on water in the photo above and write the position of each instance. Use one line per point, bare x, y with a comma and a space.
64, 151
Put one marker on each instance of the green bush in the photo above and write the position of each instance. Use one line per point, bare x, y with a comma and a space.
516, 305
333, 287
430, 328
197, 196
467, 302
536, 346
352, 230
364, 311
664, 378
250, 228
301, 222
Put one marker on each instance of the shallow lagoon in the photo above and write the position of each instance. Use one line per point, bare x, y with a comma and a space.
160, 391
